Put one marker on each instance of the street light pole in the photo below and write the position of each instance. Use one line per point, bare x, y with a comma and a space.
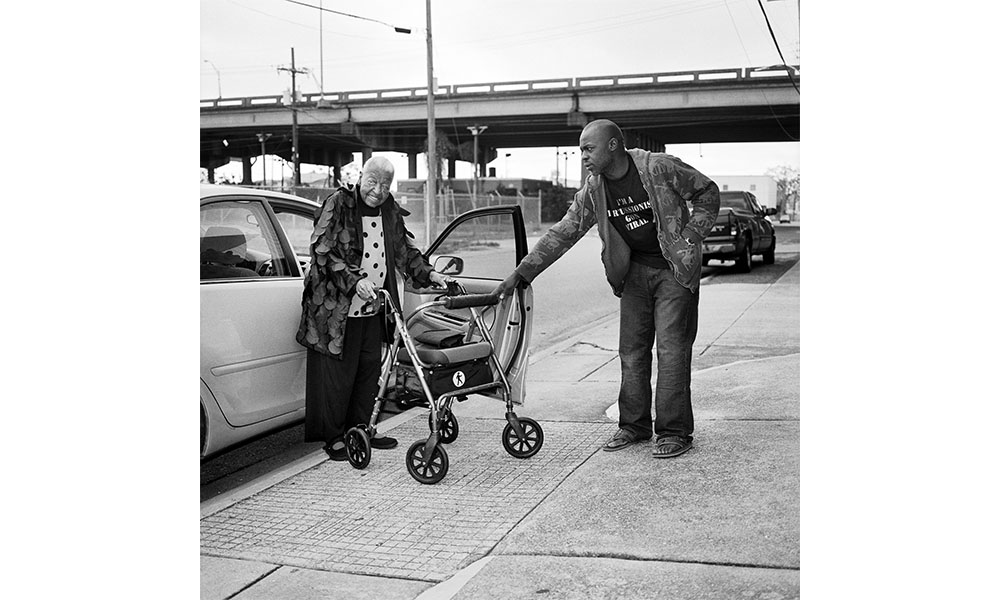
557, 165
566, 168
321, 91
263, 165
431, 141
218, 77
476, 130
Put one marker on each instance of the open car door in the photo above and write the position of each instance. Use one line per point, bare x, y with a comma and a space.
479, 249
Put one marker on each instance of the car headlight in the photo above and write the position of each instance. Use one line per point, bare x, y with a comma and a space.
733, 230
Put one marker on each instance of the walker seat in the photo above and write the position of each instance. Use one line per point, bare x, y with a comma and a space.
432, 355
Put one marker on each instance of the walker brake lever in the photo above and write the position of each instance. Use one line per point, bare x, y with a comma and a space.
373, 306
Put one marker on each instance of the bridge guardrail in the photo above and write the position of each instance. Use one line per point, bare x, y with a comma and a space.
703, 76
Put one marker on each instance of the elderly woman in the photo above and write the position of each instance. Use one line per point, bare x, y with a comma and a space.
358, 242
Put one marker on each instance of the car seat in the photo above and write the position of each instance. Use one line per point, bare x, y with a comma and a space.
222, 249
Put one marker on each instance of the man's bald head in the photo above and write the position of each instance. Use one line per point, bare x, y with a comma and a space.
605, 131
602, 148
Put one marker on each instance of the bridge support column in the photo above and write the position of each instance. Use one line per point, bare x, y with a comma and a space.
366, 153
211, 175
451, 168
336, 173
247, 176
411, 164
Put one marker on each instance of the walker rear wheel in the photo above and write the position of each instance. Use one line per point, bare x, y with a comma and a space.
527, 447
359, 447
447, 426
435, 469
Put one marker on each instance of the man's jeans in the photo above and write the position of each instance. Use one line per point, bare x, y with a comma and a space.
653, 304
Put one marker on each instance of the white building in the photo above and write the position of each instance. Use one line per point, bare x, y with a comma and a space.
763, 187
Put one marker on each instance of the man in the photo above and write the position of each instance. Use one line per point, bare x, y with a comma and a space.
358, 242
652, 259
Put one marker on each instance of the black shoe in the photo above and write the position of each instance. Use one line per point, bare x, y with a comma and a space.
338, 454
384, 443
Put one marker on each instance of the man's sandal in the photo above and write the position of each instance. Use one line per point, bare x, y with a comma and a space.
622, 439
670, 447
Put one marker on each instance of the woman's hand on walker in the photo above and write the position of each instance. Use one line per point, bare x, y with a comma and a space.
366, 290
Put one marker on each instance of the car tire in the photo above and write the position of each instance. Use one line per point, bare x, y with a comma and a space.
704, 261
769, 253
744, 262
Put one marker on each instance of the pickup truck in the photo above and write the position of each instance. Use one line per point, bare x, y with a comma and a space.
741, 230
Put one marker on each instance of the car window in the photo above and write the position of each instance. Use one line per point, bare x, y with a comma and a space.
298, 228
238, 241
736, 201
486, 245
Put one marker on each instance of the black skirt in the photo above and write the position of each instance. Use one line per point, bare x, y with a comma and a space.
340, 392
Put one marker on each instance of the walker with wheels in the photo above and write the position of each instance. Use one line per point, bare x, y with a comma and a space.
445, 374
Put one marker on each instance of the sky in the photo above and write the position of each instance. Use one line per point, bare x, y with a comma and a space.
244, 42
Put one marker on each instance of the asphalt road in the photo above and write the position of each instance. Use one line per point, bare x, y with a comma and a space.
568, 297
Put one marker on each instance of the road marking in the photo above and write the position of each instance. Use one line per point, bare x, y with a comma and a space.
449, 587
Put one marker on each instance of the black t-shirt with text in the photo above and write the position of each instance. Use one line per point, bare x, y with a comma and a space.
631, 214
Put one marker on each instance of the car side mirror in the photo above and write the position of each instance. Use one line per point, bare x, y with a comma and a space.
449, 265
770, 211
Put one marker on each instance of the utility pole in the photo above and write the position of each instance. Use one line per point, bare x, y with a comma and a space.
431, 141
476, 130
296, 177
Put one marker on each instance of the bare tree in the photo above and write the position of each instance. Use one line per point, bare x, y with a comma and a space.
788, 188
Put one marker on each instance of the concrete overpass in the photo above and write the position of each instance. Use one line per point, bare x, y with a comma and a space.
653, 109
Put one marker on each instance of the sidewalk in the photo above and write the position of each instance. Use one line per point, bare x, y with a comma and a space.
721, 521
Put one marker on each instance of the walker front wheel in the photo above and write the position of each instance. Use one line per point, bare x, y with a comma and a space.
529, 445
435, 469
359, 447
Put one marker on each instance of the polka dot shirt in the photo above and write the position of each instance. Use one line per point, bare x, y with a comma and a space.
373, 265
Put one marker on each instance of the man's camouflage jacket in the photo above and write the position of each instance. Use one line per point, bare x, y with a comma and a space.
670, 184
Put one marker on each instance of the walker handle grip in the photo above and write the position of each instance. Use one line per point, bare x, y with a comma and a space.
470, 300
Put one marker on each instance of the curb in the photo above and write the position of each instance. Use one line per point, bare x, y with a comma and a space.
573, 338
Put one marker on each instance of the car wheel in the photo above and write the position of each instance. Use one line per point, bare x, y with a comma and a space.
704, 261
769, 253
745, 260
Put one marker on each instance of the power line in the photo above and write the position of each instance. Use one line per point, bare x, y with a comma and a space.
337, 12
778, 48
